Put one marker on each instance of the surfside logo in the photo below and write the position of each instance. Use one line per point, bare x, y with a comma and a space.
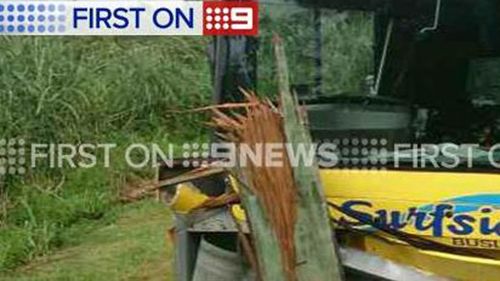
437, 219
123, 18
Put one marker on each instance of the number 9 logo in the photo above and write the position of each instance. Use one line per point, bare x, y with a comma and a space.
243, 17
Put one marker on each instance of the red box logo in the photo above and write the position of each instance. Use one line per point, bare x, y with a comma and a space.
230, 18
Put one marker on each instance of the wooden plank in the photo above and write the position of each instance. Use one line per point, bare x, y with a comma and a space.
316, 251
265, 242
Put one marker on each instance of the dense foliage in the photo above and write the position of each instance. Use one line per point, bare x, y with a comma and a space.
124, 90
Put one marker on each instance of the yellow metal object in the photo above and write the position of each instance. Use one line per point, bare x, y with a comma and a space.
234, 183
187, 197
471, 220
238, 212
469, 203
443, 264
413, 186
409, 201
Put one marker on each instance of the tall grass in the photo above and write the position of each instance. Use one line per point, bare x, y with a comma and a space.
81, 90
77, 89
124, 90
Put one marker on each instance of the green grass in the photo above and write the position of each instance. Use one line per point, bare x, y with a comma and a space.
88, 90
44, 208
133, 248
123, 91
82, 89
40, 214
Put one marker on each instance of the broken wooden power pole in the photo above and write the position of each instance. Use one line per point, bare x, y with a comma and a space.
285, 206
315, 244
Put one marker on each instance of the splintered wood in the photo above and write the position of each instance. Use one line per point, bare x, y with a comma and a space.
261, 124
285, 205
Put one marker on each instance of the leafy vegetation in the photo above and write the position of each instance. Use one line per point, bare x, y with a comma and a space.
346, 49
132, 247
81, 89
88, 90
126, 90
